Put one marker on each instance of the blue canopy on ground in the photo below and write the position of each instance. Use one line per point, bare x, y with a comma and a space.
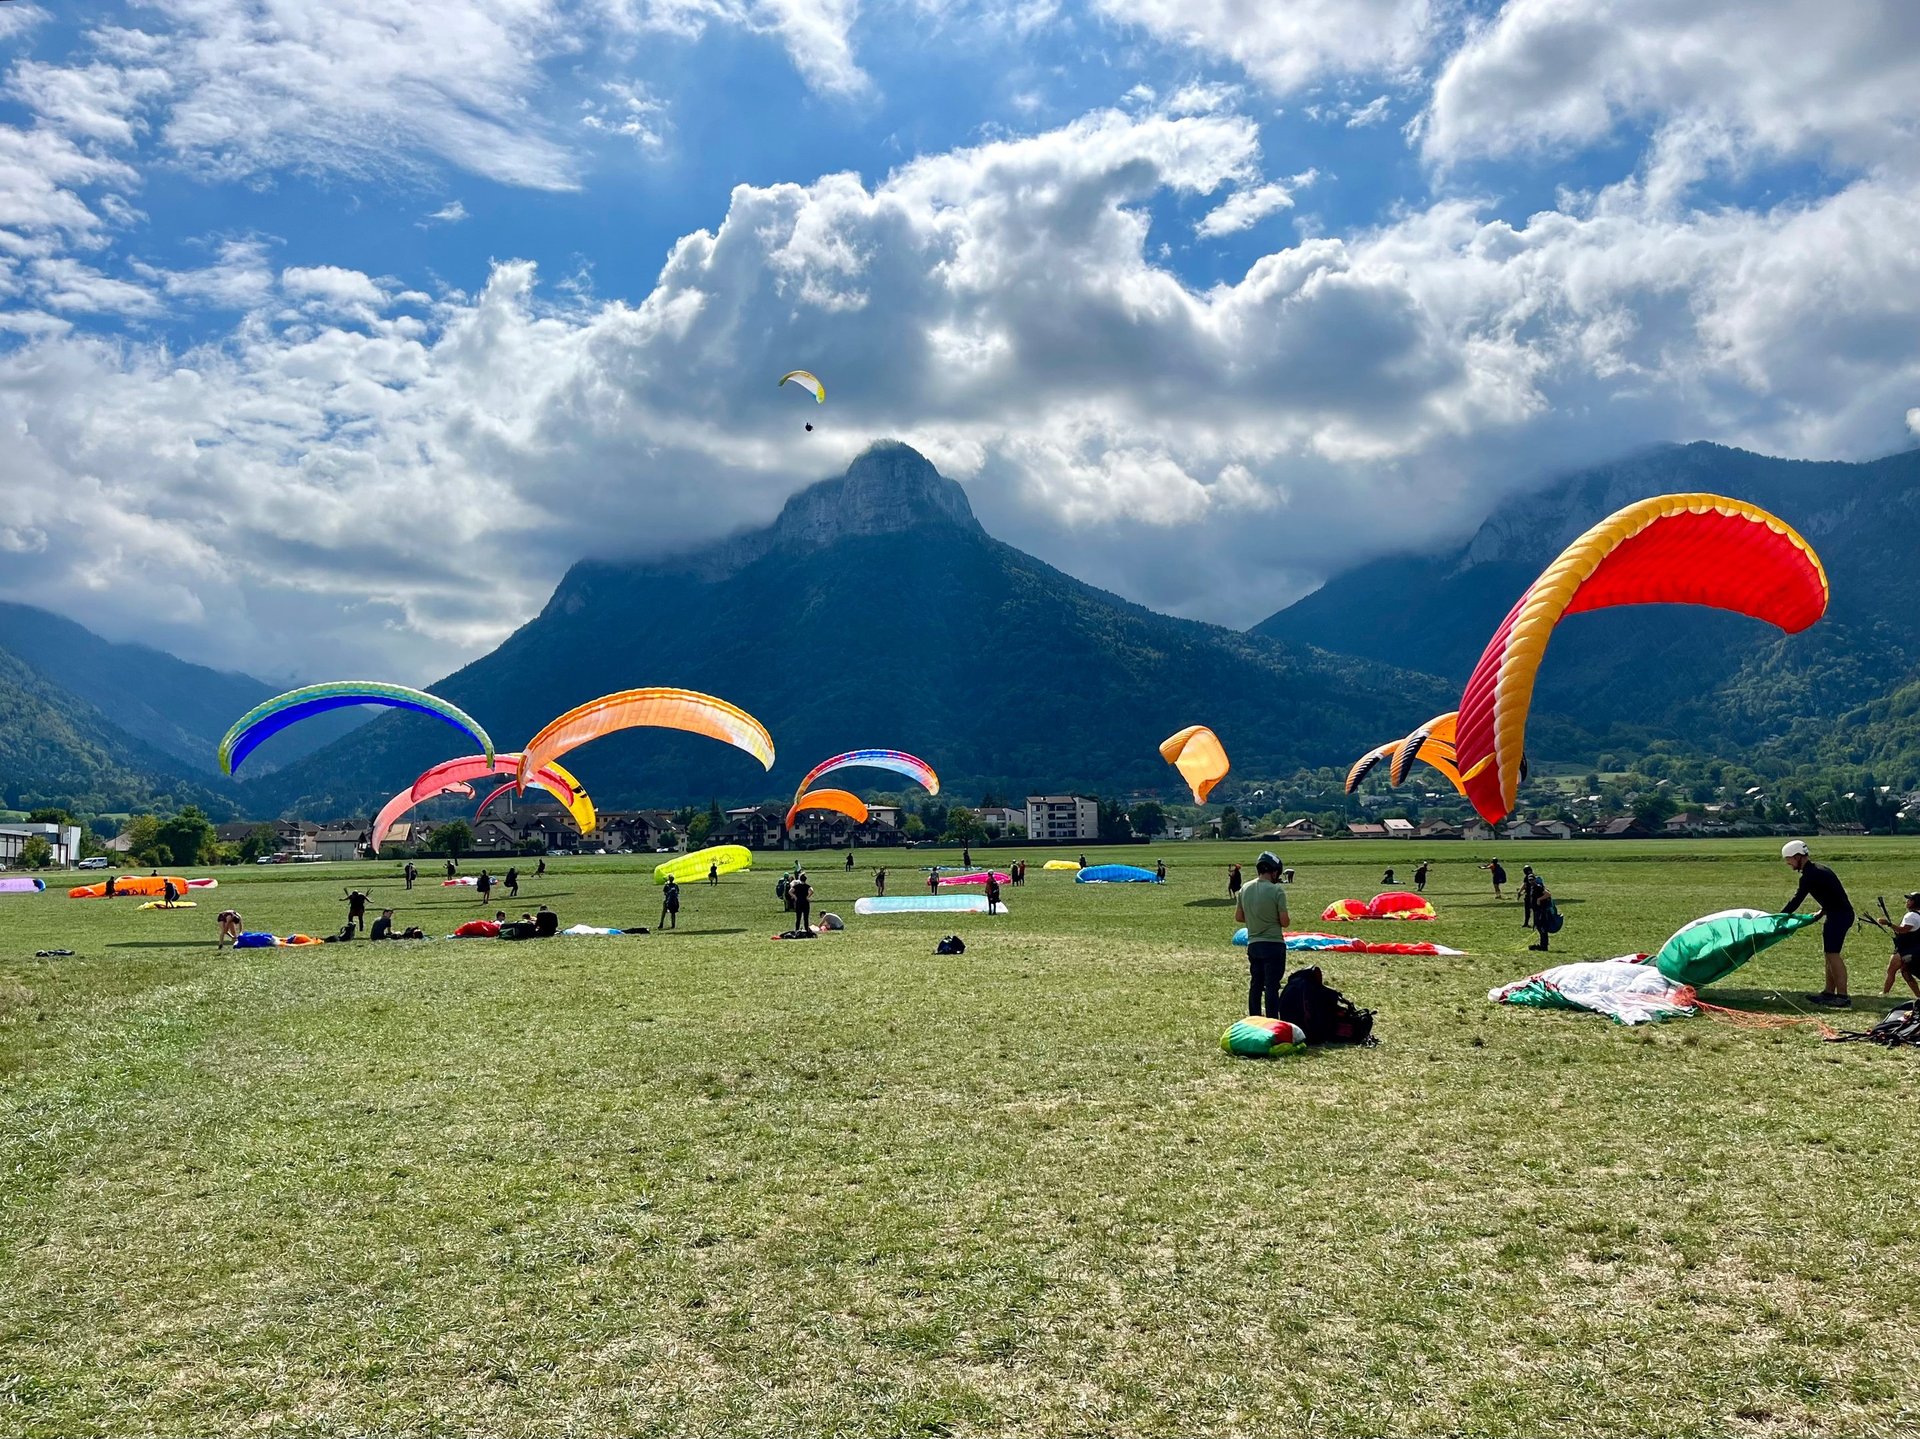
1116, 874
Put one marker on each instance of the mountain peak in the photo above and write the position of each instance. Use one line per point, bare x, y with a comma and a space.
888, 488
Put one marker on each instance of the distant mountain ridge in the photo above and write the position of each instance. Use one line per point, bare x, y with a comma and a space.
1703, 677
875, 611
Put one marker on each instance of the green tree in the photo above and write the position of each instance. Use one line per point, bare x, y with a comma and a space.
36, 853
1230, 823
227, 853
264, 841
187, 838
143, 839
1654, 809
454, 839
716, 821
913, 827
963, 826
1148, 818
698, 828
50, 816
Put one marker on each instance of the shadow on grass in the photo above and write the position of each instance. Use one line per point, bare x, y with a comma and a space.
1209, 904
160, 944
1866, 1008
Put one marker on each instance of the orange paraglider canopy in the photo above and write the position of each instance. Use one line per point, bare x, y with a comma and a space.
1432, 742
662, 707
837, 800
1197, 753
1691, 549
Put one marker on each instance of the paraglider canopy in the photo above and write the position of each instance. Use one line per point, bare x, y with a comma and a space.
1197, 753
659, 707
898, 761
809, 382
1689, 549
837, 800
268, 718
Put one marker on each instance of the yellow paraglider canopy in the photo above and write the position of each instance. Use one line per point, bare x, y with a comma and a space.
1197, 753
807, 380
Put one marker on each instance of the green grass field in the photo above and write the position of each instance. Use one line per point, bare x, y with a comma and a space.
702, 1183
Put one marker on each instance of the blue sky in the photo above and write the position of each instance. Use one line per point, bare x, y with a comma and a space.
305, 304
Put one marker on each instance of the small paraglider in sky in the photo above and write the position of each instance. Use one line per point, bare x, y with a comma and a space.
810, 382
1197, 753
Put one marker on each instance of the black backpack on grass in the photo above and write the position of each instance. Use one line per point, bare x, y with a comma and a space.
1323, 1013
952, 944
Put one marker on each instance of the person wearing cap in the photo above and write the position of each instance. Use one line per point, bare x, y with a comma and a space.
1906, 949
1262, 908
1823, 887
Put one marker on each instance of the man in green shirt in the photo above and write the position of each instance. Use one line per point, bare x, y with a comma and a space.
1262, 908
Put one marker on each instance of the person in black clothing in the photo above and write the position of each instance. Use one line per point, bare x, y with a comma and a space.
933, 881
1387, 878
1159, 869
513, 882
1499, 873
1233, 881
383, 926
356, 911
1420, 877
410, 874
880, 880
170, 892
545, 922
713, 872
1823, 887
1540, 906
849, 861
993, 893
801, 893
1529, 886
539, 869
670, 906
484, 884
453, 868
966, 856
1083, 861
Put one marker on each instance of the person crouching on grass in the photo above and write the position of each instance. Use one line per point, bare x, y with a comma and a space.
1262, 908
1906, 949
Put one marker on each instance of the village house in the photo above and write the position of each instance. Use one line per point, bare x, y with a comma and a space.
1366, 831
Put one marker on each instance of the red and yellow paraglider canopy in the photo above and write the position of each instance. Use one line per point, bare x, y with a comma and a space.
1691, 549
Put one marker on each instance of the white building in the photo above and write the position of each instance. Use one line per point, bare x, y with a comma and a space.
1000, 818
65, 843
1062, 816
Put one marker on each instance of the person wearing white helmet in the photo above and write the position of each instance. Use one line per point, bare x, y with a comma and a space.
1823, 887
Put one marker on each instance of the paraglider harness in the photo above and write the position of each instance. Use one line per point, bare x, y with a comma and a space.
1547, 917
1323, 1013
952, 944
1898, 1029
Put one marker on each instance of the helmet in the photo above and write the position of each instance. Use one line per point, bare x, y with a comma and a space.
1268, 861
1793, 847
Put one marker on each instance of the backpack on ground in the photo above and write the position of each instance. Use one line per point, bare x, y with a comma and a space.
952, 944
1326, 1015
1898, 1029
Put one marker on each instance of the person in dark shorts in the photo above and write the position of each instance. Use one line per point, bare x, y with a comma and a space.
670, 906
410, 874
1530, 885
1544, 912
539, 869
993, 893
849, 861
1499, 873
512, 881
1233, 881
484, 884
1906, 949
933, 881
170, 892
1823, 887
801, 893
229, 921
1262, 908
880, 880
966, 856
356, 911
1159, 869
452, 869
1420, 877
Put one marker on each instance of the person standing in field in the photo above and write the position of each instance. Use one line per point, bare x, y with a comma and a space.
1262, 908
933, 881
993, 892
880, 880
1530, 885
1233, 881
1823, 887
356, 912
484, 884
513, 881
1545, 913
966, 857
670, 905
453, 868
1420, 877
540, 869
713, 871
801, 893
410, 874
1499, 873
849, 861
1906, 949
1159, 869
